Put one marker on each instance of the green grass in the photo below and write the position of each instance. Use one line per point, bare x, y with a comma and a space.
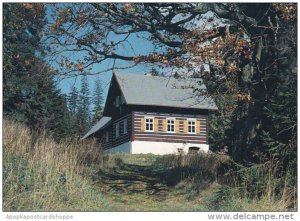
203, 182
42, 175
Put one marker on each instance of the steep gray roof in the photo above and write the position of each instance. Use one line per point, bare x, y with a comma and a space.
164, 91
101, 124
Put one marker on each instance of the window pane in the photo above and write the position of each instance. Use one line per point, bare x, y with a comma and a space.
170, 125
149, 124
191, 126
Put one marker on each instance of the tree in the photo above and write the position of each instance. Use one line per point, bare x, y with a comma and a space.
245, 46
22, 25
73, 100
84, 116
73, 107
30, 94
98, 100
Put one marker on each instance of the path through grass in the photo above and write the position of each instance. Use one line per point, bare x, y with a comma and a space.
137, 184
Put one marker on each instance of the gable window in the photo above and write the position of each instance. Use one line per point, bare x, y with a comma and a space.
171, 125
191, 126
125, 126
117, 129
122, 99
149, 124
117, 101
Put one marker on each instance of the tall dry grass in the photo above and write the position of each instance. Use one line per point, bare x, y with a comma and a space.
42, 175
201, 169
225, 186
264, 187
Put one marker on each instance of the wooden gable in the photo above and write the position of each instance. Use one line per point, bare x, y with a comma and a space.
114, 108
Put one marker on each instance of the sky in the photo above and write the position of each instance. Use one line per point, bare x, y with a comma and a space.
139, 46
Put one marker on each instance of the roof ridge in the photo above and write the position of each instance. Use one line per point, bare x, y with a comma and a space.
156, 76
163, 91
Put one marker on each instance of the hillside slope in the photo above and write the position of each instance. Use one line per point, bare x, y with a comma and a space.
42, 175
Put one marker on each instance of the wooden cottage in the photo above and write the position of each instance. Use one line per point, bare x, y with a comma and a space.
154, 114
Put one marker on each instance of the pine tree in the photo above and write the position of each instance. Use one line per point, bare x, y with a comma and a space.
73, 107
73, 101
279, 129
21, 36
84, 106
30, 94
97, 100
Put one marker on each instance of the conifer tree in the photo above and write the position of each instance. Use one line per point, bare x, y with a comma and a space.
97, 100
73, 100
30, 94
84, 115
73, 107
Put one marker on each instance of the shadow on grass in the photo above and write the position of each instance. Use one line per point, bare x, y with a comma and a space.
137, 179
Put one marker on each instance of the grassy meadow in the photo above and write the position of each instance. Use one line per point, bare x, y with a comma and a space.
42, 175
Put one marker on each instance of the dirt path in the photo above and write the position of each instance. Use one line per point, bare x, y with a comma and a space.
139, 188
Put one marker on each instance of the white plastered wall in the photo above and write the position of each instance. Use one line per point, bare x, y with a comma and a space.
161, 148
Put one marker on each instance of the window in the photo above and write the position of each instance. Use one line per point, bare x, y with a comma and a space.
122, 99
192, 126
125, 126
149, 124
106, 137
117, 101
117, 129
171, 125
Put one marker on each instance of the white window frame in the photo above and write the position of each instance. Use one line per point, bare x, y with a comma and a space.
125, 130
149, 118
167, 124
191, 120
117, 129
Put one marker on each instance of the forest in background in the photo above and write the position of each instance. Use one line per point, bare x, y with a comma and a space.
30, 91
252, 63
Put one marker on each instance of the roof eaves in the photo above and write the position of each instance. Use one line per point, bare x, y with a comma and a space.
186, 107
91, 131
